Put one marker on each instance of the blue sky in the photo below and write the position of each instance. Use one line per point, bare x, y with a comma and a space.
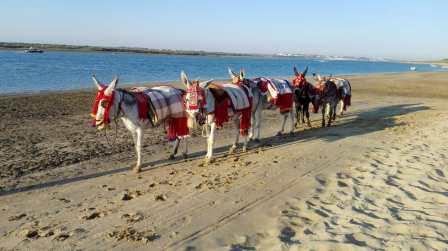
411, 29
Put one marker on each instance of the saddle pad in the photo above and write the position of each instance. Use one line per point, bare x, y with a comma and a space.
345, 85
238, 96
278, 87
167, 101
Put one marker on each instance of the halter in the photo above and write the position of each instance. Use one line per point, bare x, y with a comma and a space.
109, 99
299, 81
195, 101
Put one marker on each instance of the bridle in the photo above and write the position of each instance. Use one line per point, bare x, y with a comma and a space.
105, 121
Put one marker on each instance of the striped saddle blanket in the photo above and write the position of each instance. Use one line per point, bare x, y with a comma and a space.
343, 85
239, 98
164, 102
280, 92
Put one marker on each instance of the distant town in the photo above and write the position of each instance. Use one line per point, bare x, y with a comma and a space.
88, 48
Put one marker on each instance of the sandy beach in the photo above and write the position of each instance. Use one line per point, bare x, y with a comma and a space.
376, 179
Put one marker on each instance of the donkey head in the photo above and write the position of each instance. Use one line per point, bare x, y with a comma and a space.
195, 99
315, 93
299, 80
236, 78
104, 108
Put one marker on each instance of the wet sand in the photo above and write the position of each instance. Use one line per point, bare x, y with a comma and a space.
374, 180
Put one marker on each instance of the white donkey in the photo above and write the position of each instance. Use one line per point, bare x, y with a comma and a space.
210, 105
268, 90
112, 104
257, 102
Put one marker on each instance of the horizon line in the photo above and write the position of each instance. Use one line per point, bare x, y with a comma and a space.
137, 49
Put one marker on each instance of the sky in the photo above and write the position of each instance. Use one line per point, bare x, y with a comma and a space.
411, 29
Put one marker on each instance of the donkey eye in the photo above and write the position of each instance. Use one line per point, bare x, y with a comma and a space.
104, 103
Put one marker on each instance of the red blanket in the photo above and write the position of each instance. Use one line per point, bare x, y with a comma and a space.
142, 104
175, 127
284, 102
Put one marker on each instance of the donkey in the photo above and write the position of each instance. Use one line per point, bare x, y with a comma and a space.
210, 105
263, 91
345, 93
302, 96
325, 95
257, 102
112, 103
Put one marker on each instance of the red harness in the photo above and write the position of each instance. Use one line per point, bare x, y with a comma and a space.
299, 81
196, 97
101, 96
197, 101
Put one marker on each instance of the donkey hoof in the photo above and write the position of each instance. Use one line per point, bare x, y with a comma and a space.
185, 155
171, 157
279, 134
208, 161
136, 169
232, 149
291, 133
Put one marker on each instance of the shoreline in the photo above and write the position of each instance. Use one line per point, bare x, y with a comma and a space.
178, 83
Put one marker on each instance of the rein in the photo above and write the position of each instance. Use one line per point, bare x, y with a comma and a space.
119, 110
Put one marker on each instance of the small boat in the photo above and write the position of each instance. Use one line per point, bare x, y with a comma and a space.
412, 68
33, 50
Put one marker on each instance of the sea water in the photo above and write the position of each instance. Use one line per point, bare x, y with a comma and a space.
55, 70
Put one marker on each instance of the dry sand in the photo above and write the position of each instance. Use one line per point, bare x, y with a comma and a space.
377, 179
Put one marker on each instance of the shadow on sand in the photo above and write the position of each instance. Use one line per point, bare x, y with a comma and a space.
355, 124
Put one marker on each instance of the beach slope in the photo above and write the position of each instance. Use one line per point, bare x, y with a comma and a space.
376, 179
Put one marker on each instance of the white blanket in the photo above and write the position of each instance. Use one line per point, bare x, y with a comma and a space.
344, 84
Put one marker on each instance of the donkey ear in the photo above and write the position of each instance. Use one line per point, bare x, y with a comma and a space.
205, 84
305, 71
96, 82
111, 86
184, 79
242, 73
295, 71
231, 73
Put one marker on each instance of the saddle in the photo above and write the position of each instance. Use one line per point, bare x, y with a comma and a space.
218, 93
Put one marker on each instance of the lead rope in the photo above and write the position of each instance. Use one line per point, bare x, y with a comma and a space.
116, 135
116, 125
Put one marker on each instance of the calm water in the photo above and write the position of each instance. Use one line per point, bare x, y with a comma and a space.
22, 72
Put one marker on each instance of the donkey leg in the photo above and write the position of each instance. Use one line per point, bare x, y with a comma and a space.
252, 126
258, 124
341, 107
291, 117
330, 114
285, 116
236, 121
175, 148
185, 153
210, 142
323, 115
245, 144
138, 147
308, 122
298, 118
334, 111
